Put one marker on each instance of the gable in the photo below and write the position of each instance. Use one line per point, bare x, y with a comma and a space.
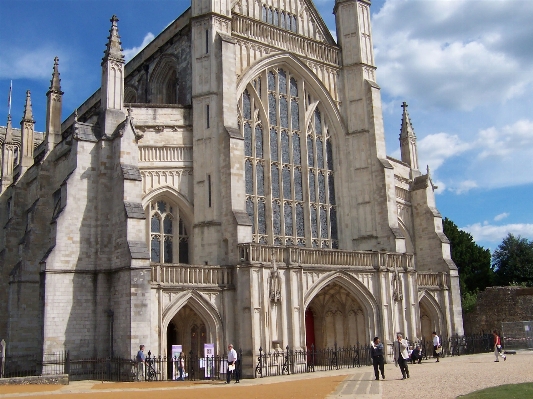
298, 16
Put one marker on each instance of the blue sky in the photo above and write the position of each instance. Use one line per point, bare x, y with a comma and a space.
465, 67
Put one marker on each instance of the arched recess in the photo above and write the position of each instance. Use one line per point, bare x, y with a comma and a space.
431, 316
182, 231
409, 245
205, 310
300, 68
130, 95
367, 302
164, 85
312, 179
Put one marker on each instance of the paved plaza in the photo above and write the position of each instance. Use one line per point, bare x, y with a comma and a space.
449, 378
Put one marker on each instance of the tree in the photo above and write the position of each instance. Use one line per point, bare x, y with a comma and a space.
512, 261
473, 262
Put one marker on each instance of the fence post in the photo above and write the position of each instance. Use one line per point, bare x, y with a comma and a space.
259, 367
2, 357
67, 363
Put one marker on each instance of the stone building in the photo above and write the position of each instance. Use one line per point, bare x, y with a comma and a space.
228, 184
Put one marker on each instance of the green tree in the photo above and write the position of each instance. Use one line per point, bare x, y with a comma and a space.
512, 261
473, 262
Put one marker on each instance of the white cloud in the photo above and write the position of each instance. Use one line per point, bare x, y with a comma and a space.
132, 52
501, 216
495, 234
454, 54
25, 63
463, 187
434, 149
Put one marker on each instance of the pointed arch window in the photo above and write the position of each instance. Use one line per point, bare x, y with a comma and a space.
169, 240
289, 176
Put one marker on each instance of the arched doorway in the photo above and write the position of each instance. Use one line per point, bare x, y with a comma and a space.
335, 316
187, 328
430, 317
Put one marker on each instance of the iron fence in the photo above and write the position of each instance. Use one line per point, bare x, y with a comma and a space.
288, 361
517, 335
155, 368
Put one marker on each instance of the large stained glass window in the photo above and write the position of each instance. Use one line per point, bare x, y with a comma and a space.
169, 241
289, 176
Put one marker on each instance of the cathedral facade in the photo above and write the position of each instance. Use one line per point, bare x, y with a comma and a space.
230, 183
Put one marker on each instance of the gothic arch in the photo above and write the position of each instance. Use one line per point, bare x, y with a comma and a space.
409, 244
165, 70
170, 193
205, 309
436, 317
355, 288
296, 65
130, 95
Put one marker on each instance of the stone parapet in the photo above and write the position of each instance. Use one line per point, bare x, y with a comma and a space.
257, 253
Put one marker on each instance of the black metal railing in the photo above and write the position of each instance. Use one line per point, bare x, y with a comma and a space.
288, 361
154, 368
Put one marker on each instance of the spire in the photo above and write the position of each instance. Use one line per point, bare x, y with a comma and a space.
28, 113
113, 49
408, 140
407, 127
55, 83
54, 107
9, 130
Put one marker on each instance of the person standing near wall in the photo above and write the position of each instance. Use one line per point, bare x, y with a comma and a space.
141, 360
377, 358
401, 356
232, 365
498, 346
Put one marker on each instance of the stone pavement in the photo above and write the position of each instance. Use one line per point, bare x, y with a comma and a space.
451, 377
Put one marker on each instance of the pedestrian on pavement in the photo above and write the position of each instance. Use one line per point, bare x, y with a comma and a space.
401, 356
437, 347
141, 360
498, 347
232, 365
378, 358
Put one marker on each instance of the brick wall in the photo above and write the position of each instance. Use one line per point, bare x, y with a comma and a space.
499, 304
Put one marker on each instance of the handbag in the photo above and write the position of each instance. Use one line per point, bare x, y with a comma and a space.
439, 349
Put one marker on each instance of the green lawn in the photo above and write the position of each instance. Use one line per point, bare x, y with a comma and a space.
512, 391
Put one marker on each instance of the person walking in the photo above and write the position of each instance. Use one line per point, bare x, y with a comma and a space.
498, 347
181, 367
401, 356
378, 358
141, 360
437, 348
232, 365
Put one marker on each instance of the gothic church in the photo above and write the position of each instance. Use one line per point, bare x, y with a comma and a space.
230, 183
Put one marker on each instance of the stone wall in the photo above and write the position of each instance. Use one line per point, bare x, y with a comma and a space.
499, 304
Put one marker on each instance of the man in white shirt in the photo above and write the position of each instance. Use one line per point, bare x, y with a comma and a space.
232, 365
436, 346
401, 356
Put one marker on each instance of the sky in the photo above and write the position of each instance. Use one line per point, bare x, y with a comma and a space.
465, 68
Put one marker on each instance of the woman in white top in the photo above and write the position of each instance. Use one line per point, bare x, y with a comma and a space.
436, 344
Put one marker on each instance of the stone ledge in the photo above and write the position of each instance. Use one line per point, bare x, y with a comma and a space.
56, 379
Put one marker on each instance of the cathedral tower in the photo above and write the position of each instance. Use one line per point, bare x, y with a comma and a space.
9, 156
372, 209
220, 220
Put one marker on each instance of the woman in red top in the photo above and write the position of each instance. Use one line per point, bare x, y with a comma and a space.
498, 346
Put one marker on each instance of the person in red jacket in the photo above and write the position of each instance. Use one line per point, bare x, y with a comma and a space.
498, 346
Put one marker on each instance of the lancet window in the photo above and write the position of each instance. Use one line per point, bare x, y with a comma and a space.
289, 176
169, 241
280, 18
